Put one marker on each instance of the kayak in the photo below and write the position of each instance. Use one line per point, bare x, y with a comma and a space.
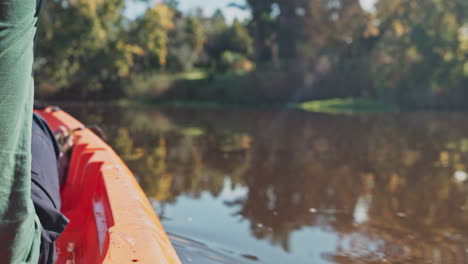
111, 219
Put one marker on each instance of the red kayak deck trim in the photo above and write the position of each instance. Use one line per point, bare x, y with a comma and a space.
111, 220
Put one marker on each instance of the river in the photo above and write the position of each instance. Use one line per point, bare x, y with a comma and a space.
264, 186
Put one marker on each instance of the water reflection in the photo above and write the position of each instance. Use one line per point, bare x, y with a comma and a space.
303, 187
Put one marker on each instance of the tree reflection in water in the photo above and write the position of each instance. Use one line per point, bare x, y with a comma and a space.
390, 186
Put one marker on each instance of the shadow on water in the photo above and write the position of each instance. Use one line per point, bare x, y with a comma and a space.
247, 187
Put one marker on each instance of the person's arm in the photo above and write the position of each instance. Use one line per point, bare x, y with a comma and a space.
19, 226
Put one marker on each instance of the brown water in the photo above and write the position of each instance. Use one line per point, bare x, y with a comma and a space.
244, 186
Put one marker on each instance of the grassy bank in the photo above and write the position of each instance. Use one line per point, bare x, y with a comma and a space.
332, 106
268, 89
348, 105
264, 90
268, 86
204, 104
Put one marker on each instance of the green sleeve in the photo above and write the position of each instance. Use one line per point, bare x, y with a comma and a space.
19, 225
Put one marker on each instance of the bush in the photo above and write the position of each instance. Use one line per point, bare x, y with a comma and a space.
149, 85
235, 62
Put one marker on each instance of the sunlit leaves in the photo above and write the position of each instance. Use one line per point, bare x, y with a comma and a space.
426, 40
74, 41
151, 32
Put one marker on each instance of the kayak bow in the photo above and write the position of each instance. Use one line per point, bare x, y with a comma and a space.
111, 220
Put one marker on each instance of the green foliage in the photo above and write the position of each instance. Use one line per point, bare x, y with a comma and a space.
263, 27
232, 61
75, 36
195, 34
153, 85
151, 33
238, 39
217, 22
186, 42
149, 85
424, 53
405, 52
227, 42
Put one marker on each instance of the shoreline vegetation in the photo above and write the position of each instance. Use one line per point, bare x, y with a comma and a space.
200, 84
286, 53
347, 106
330, 106
201, 89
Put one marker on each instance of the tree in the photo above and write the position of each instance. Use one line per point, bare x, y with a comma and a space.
422, 57
234, 39
195, 36
73, 37
186, 42
217, 22
238, 39
150, 32
263, 27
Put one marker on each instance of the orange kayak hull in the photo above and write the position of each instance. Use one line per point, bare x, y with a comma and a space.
111, 219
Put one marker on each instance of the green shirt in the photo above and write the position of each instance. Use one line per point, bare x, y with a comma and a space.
19, 226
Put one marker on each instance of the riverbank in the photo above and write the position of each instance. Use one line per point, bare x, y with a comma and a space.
265, 88
269, 88
332, 106
349, 105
